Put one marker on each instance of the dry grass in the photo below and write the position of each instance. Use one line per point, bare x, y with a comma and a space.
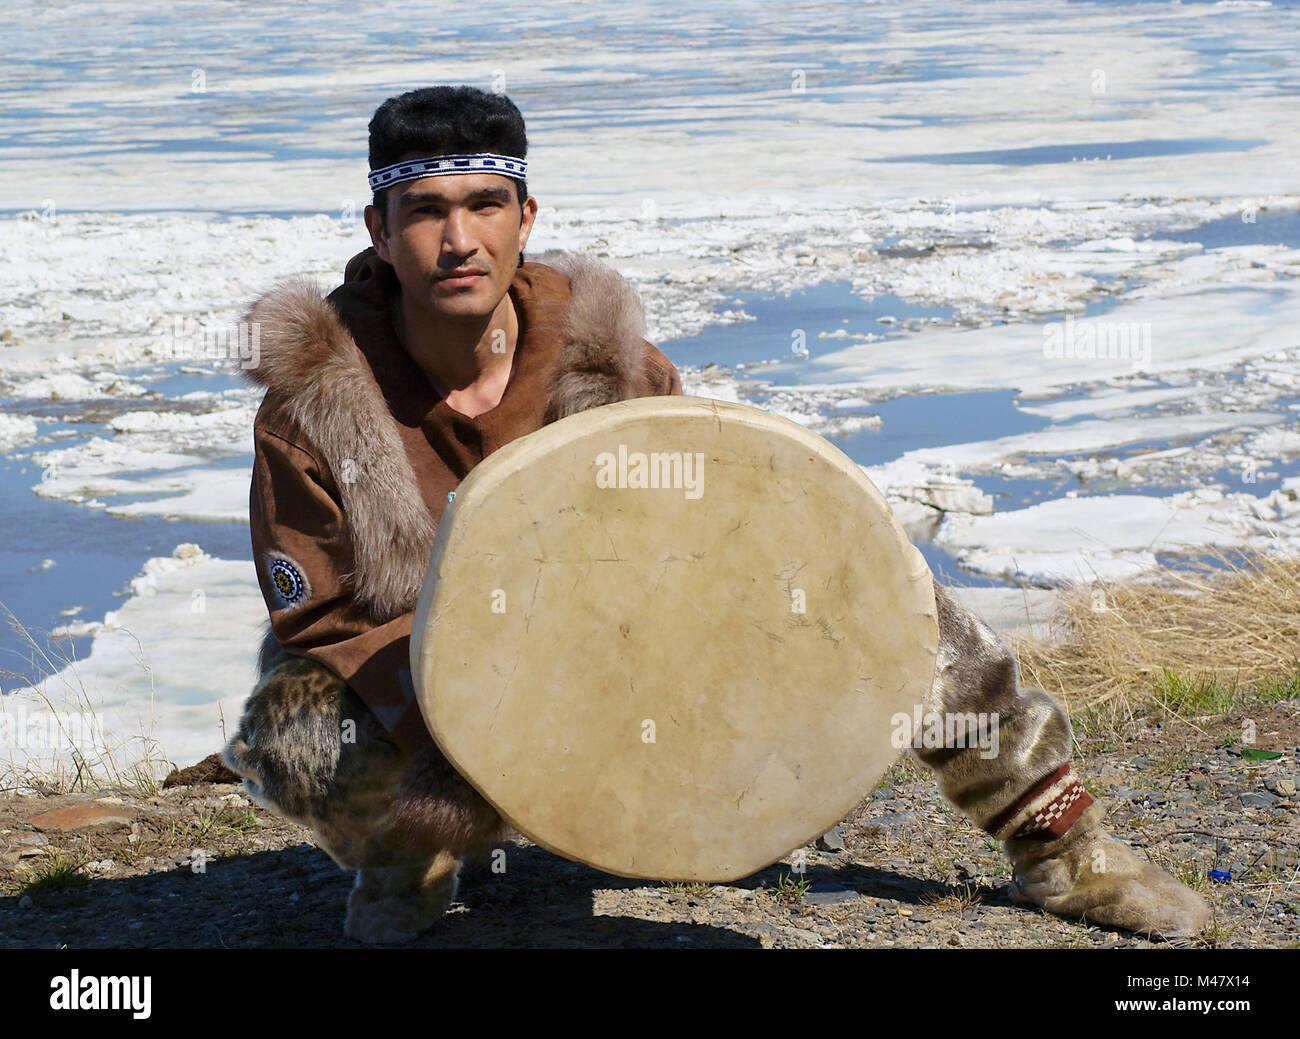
131, 765
959, 900
1197, 644
58, 869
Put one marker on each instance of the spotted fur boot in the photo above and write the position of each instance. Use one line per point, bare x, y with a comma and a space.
309, 750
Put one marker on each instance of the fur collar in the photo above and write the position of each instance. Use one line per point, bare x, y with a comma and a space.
308, 358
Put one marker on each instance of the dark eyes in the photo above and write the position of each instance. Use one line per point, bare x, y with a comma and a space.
484, 204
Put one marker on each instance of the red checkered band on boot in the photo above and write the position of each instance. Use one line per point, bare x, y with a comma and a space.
1046, 812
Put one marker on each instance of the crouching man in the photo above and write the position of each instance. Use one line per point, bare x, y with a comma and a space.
440, 346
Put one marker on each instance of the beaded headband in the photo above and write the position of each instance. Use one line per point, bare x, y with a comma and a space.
413, 169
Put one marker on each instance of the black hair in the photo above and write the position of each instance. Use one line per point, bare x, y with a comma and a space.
445, 121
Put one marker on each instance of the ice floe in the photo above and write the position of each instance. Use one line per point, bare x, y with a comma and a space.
1083, 538
159, 453
16, 429
166, 675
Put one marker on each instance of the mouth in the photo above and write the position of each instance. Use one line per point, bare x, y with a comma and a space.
461, 277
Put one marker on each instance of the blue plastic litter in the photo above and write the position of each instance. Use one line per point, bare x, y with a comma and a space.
1219, 876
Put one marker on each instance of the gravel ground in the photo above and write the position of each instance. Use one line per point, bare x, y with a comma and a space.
199, 865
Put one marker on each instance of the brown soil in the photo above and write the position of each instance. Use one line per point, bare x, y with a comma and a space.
199, 866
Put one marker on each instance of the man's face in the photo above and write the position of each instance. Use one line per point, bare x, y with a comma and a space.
454, 241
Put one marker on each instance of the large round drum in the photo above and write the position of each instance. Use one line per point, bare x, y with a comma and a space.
667, 637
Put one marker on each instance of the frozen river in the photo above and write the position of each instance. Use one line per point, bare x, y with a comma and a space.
1034, 266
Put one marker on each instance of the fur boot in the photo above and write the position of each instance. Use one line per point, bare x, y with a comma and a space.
1026, 796
308, 749
1089, 875
390, 905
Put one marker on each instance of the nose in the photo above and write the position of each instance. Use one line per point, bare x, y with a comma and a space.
456, 236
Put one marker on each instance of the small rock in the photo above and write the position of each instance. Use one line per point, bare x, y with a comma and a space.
25, 902
832, 839
826, 894
1259, 799
1286, 787
81, 817
888, 820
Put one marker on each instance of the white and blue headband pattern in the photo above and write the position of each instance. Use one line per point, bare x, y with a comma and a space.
413, 169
